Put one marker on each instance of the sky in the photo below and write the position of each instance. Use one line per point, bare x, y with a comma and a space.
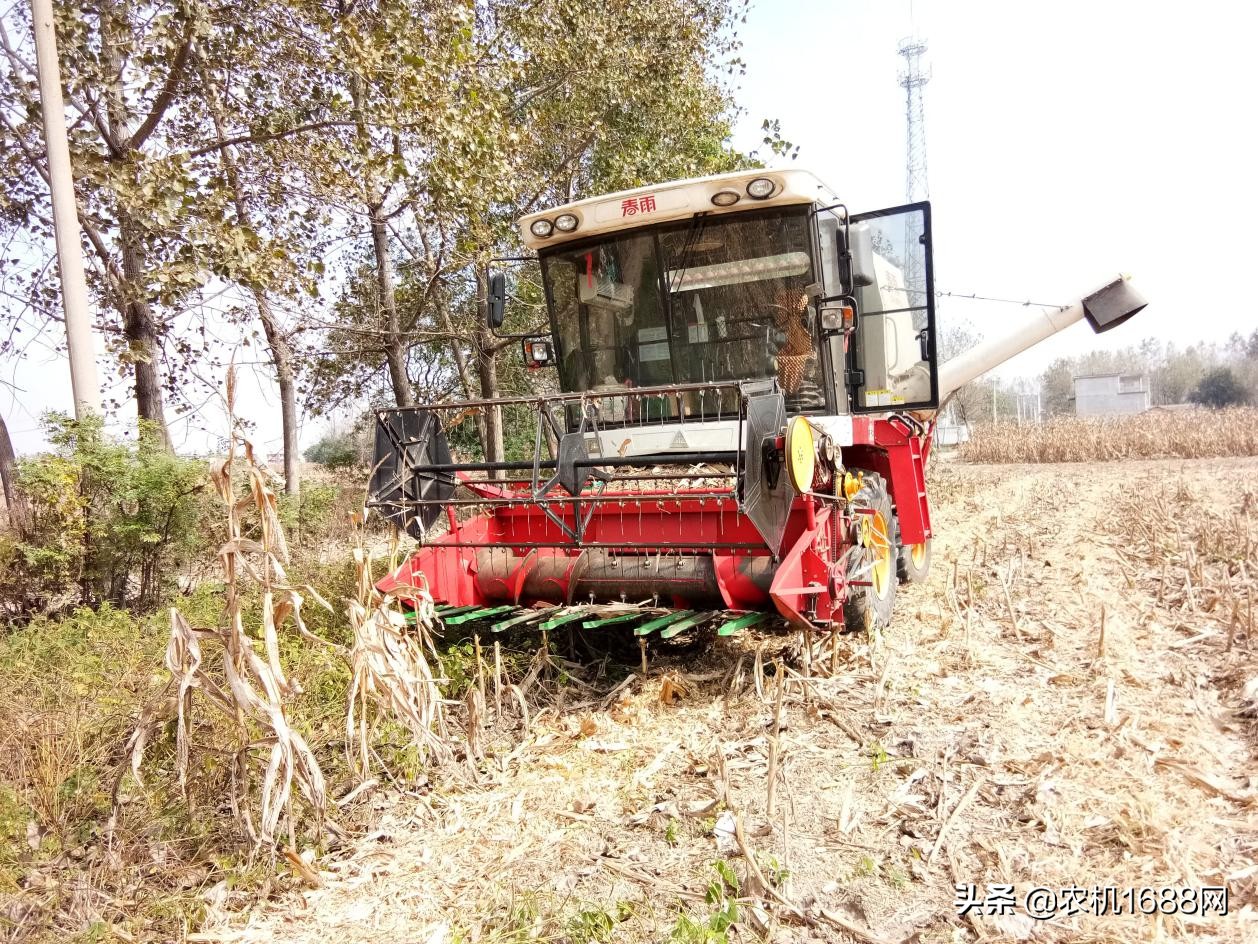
1066, 142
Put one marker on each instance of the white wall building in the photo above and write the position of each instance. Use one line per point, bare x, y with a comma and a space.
1111, 394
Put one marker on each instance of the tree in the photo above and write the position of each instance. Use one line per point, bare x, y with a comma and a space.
1057, 387
232, 153
335, 451
14, 500
1220, 388
123, 65
257, 279
972, 401
169, 218
527, 129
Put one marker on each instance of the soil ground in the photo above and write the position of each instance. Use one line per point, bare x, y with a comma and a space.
1057, 707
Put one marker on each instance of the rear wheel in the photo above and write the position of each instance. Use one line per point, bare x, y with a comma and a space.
874, 564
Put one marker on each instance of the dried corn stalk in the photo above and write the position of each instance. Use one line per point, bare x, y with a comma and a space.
249, 687
1157, 434
391, 663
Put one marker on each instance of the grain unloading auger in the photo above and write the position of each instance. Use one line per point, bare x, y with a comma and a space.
748, 384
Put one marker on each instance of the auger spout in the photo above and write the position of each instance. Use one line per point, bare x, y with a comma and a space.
1104, 309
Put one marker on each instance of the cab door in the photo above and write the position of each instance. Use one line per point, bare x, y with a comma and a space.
892, 357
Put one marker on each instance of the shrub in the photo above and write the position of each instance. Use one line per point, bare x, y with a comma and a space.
310, 514
109, 521
335, 451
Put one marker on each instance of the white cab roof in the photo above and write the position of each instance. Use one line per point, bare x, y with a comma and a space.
678, 200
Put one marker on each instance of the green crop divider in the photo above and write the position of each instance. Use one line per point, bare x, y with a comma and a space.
526, 617
611, 620
478, 614
445, 611
672, 629
647, 628
734, 626
570, 617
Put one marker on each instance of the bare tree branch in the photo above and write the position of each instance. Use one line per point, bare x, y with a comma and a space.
167, 94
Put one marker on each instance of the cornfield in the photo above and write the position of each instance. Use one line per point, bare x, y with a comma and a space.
1189, 434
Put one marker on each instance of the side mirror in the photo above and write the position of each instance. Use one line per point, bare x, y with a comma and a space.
496, 309
860, 257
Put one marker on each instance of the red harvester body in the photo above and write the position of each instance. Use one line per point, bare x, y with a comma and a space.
748, 387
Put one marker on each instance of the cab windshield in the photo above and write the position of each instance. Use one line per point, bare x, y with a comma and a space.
713, 299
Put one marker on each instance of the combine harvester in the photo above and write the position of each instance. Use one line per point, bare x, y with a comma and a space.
748, 384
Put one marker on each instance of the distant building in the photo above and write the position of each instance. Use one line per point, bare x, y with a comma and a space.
1111, 394
950, 430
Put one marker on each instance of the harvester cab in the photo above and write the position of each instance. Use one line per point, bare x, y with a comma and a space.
744, 390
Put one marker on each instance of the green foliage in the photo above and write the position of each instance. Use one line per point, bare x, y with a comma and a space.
722, 895
312, 514
69, 691
773, 869
596, 925
110, 521
335, 451
457, 657
521, 129
897, 878
1220, 388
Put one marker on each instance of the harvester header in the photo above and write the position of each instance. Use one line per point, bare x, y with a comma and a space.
747, 387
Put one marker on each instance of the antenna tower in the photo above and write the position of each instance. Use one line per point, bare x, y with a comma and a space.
912, 79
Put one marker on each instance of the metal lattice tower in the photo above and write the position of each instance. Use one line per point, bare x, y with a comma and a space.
912, 78
916, 188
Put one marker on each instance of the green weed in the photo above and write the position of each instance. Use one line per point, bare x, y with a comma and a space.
670, 833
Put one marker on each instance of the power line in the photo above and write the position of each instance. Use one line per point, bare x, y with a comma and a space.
1007, 301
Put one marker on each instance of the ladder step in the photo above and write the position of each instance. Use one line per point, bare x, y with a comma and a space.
747, 620
647, 628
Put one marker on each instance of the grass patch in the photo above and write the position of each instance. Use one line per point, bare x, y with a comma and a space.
71, 690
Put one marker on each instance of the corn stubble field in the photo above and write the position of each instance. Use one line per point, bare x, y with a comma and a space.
1069, 701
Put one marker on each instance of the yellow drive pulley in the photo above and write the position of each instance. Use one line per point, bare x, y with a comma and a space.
801, 454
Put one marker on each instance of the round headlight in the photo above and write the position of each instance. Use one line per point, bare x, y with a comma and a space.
725, 198
801, 454
760, 188
566, 222
541, 228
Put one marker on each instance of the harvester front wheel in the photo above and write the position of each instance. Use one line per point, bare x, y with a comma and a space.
873, 566
912, 564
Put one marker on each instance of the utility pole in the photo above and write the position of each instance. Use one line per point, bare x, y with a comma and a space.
65, 216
